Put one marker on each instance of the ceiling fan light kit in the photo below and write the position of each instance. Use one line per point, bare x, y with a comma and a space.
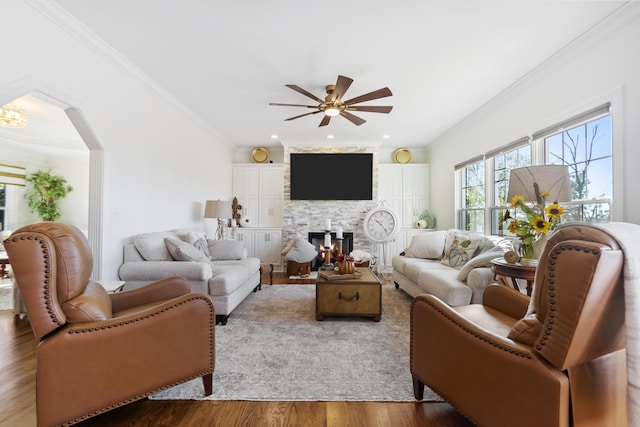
332, 105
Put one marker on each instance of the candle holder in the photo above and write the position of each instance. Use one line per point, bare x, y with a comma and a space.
327, 252
339, 239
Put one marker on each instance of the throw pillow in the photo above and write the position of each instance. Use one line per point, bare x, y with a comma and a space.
428, 245
225, 249
481, 260
182, 251
199, 241
463, 247
302, 251
152, 246
289, 245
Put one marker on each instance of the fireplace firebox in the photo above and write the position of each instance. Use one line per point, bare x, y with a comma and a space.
316, 238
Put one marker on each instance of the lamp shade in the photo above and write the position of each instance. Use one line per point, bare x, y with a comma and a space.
217, 209
530, 181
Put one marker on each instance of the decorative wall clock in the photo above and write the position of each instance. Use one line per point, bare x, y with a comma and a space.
381, 224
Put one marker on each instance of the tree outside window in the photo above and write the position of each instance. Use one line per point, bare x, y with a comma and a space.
587, 150
473, 197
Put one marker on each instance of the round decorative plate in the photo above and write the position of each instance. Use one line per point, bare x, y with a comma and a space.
402, 155
260, 155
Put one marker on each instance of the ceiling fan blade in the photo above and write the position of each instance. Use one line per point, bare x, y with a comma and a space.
325, 121
352, 118
292, 105
305, 93
371, 108
302, 115
380, 93
342, 85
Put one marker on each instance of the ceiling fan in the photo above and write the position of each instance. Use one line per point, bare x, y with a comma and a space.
333, 105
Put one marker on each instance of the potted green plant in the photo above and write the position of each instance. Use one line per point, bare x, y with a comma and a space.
45, 192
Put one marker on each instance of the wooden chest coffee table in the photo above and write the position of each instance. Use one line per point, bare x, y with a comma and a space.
337, 296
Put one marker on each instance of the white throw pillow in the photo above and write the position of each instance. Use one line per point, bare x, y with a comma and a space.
225, 249
199, 241
183, 251
152, 246
302, 251
428, 245
480, 260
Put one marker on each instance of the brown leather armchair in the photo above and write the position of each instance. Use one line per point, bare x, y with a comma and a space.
556, 360
98, 351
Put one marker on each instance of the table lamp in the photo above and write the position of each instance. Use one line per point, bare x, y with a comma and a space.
220, 209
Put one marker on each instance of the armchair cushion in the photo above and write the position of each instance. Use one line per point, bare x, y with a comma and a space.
91, 305
183, 251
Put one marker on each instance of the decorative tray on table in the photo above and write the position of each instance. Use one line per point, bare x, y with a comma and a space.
334, 275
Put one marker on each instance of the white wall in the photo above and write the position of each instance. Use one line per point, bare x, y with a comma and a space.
603, 66
160, 163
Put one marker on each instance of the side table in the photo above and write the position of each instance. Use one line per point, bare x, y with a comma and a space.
500, 267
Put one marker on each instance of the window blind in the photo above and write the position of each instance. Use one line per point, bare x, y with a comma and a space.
469, 162
12, 175
508, 147
600, 111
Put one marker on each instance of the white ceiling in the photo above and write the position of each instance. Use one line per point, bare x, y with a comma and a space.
226, 61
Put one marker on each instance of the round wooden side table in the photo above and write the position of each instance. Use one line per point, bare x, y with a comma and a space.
500, 267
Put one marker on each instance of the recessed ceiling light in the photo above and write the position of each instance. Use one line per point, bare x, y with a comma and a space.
329, 136
274, 136
385, 137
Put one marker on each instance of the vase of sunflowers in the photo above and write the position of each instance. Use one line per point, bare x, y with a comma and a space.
533, 228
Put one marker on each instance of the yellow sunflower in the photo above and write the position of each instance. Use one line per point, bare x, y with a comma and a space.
517, 201
554, 211
540, 225
545, 193
513, 227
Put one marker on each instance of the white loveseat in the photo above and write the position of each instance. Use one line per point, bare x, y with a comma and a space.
453, 265
219, 268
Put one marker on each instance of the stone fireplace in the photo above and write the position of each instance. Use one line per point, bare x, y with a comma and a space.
316, 238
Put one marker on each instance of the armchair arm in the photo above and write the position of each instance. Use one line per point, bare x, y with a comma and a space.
506, 300
164, 289
100, 365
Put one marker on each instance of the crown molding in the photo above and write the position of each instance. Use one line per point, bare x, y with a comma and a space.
67, 22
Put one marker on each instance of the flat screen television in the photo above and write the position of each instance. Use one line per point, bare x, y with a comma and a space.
331, 176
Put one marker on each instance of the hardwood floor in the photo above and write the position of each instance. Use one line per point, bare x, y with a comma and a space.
17, 399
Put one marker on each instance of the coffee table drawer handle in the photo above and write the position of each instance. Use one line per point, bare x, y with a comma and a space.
356, 296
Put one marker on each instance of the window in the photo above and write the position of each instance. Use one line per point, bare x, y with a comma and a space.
587, 150
584, 143
471, 214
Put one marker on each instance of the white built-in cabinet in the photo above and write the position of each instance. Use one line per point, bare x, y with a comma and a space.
263, 243
405, 188
259, 189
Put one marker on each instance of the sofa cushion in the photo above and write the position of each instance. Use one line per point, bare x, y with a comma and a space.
225, 249
429, 245
183, 251
445, 285
413, 269
461, 248
152, 246
230, 275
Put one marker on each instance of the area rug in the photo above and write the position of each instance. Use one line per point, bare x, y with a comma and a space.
6, 296
313, 275
273, 348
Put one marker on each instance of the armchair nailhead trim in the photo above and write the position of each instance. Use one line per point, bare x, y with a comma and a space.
553, 259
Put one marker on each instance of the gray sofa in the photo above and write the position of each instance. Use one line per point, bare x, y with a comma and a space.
219, 268
453, 265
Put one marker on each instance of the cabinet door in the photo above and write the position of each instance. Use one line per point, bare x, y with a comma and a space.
245, 188
268, 246
390, 187
415, 185
246, 236
271, 183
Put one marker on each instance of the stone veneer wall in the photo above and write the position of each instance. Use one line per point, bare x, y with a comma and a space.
302, 216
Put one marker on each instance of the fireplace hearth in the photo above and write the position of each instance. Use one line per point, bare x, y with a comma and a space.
316, 238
